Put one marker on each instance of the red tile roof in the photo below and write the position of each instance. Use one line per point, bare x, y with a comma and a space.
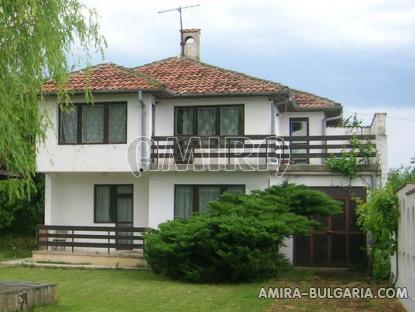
309, 100
107, 77
185, 76
180, 76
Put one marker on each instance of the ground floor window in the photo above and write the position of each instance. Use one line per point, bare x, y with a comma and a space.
195, 198
113, 203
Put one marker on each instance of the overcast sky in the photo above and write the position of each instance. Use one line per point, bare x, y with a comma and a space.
359, 53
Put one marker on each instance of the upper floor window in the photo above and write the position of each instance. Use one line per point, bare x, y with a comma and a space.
209, 120
99, 123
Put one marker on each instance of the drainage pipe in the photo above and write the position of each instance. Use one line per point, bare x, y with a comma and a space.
143, 130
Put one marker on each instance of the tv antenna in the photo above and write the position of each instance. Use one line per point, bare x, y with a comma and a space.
179, 9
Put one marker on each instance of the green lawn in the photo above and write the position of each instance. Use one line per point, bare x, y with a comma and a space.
125, 290
122, 290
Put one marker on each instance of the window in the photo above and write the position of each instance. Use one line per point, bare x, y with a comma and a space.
209, 120
299, 127
113, 204
93, 124
190, 199
99, 123
69, 126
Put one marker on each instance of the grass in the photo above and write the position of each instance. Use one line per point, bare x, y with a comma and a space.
123, 290
15, 247
126, 290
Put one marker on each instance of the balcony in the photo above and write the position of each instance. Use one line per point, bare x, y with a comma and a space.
248, 153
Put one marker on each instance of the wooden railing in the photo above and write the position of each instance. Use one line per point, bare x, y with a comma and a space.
185, 149
58, 237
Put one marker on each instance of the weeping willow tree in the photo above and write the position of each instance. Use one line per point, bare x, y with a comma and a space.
37, 42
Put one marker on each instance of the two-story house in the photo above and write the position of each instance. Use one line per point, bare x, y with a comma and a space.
163, 139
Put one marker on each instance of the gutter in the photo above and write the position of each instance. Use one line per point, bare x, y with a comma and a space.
143, 163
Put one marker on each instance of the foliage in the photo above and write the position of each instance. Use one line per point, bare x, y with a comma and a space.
349, 161
351, 121
240, 239
381, 268
399, 176
21, 215
379, 217
15, 247
36, 40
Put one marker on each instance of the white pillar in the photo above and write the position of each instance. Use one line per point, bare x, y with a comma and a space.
48, 198
378, 128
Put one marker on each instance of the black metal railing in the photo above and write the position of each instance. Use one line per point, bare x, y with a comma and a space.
58, 237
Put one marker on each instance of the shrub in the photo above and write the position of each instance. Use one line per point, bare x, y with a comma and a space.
240, 239
379, 217
21, 215
213, 249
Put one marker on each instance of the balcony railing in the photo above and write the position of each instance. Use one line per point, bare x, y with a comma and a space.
250, 149
121, 237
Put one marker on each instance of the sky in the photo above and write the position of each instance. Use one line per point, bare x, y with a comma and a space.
358, 53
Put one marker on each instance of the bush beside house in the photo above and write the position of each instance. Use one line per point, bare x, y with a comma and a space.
240, 239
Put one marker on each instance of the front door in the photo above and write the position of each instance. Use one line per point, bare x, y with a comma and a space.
341, 243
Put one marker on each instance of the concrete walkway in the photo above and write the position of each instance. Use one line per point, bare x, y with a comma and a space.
30, 262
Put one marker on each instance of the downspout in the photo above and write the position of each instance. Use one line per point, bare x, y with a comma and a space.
274, 109
143, 130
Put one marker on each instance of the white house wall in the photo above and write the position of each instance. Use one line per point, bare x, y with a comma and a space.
161, 187
404, 268
315, 120
257, 117
70, 197
53, 157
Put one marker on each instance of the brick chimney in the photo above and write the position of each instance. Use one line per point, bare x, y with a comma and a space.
191, 40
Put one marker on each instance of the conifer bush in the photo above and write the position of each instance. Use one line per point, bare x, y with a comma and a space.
240, 239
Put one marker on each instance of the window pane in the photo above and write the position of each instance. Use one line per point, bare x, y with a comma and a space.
93, 123
102, 203
206, 195
125, 189
183, 201
236, 189
69, 125
117, 123
184, 121
231, 121
299, 128
207, 121
125, 209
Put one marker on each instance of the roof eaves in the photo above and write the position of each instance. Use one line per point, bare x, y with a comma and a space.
335, 106
227, 94
109, 91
